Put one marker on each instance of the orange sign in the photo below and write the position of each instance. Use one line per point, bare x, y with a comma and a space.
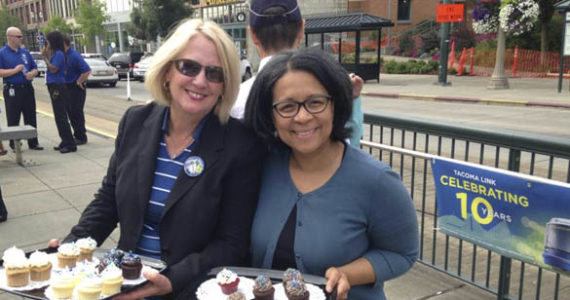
449, 13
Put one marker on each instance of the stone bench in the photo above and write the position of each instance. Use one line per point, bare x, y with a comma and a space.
17, 133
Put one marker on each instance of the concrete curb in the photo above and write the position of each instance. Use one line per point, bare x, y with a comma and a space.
468, 100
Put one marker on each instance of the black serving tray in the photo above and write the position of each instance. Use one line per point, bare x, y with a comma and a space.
156, 264
276, 275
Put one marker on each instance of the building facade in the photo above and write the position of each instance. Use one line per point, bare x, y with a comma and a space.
33, 14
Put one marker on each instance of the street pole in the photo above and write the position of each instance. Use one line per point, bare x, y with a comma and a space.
499, 79
443, 52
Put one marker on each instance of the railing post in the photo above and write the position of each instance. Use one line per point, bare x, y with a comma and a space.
504, 278
505, 267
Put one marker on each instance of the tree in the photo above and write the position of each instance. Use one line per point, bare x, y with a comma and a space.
7, 20
90, 18
156, 17
59, 24
546, 12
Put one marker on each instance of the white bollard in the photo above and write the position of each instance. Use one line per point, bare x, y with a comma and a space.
129, 85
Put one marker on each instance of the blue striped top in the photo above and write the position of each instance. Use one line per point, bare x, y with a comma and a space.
165, 174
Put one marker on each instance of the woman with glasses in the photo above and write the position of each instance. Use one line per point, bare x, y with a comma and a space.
325, 207
184, 177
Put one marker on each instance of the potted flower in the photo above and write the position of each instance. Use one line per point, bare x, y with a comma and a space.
518, 16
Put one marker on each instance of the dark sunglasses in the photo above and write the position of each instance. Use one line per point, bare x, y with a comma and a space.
191, 68
17, 36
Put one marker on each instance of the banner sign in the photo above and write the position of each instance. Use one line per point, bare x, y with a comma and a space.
449, 13
516, 215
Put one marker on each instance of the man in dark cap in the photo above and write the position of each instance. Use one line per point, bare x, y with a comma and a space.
276, 25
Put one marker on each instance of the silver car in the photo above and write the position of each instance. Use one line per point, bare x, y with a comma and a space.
42, 68
140, 68
101, 73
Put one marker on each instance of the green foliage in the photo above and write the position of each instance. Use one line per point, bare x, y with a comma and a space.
430, 41
59, 24
464, 37
157, 17
407, 44
411, 67
90, 18
531, 40
7, 20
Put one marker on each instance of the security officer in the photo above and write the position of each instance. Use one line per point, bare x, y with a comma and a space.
77, 72
18, 69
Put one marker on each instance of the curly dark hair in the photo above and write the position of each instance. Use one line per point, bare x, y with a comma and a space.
55, 39
331, 75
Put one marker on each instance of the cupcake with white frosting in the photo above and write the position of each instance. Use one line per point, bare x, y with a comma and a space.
112, 280
17, 267
67, 255
86, 248
90, 288
40, 266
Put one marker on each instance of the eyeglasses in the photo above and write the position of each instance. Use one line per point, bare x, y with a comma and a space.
313, 104
17, 36
191, 68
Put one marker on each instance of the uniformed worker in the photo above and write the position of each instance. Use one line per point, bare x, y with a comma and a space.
18, 69
77, 72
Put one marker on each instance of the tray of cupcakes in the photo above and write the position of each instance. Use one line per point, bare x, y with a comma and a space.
237, 283
73, 271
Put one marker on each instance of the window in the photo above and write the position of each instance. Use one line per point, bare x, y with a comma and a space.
404, 10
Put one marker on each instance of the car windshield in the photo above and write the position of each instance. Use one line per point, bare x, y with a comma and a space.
95, 62
119, 57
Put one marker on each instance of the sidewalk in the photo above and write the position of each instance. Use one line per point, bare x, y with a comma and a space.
46, 197
471, 89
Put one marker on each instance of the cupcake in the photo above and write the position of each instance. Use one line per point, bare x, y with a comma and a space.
113, 256
112, 280
17, 267
90, 288
131, 266
62, 284
40, 266
228, 281
291, 274
86, 248
83, 269
67, 255
296, 290
237, 296
263, 288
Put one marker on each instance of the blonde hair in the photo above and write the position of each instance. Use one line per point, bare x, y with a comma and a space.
176, 42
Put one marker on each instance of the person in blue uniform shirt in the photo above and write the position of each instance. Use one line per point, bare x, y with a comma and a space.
18, 69
56, 63
77, 72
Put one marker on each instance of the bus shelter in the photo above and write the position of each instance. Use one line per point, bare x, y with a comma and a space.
354, 39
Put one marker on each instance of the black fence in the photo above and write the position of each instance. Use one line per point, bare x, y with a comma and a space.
528, 153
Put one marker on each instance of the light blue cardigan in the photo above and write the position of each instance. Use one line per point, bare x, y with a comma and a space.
364, 210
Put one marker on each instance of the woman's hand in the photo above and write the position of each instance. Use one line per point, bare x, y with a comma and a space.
357, 84
157, 284
53, 243
337, 279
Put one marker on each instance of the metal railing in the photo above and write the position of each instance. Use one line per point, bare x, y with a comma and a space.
522, 152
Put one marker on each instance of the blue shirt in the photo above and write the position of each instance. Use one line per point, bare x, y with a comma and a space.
9, 59
166, 173
356, 121
58, 60
76, 66
363, 210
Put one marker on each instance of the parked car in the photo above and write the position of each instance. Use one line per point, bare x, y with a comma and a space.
42, 68
124, 62
140, 68
94, 55
101, 73
245, 69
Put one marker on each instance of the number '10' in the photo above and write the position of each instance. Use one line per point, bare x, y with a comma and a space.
474, 211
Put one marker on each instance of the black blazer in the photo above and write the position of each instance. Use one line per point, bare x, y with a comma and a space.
207, 219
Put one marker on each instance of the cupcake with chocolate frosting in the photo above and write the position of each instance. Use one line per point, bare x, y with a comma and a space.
263, 288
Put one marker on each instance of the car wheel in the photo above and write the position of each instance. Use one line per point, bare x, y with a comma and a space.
247, 75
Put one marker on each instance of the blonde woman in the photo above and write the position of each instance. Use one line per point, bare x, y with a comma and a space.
184, 177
